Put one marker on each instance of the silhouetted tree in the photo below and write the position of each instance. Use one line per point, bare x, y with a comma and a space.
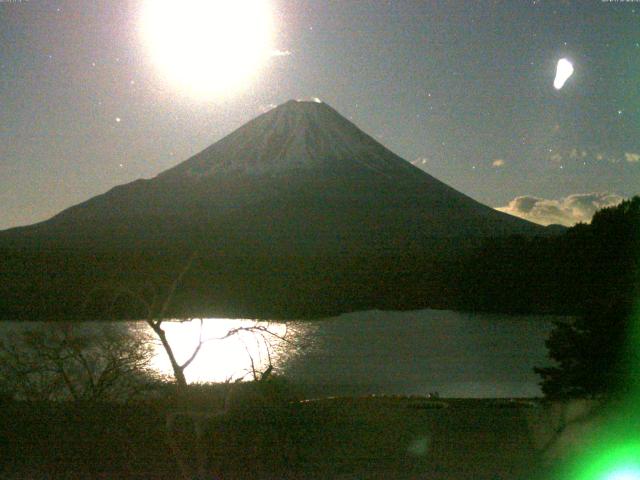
154, 305
596, 352
147, 300
62, 361
590, 354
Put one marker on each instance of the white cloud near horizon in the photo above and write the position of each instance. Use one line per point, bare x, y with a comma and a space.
586, 155
566, 211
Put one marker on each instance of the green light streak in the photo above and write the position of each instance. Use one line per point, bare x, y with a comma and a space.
612, 450
617, 462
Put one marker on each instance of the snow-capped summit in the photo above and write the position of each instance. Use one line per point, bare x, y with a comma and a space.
297, 135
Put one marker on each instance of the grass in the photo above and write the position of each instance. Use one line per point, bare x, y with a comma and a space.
340, 438
358, 438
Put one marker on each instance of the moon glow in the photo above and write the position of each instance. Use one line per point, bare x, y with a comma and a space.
207, 48
564, 70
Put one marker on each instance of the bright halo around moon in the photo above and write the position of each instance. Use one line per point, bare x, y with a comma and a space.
208, 48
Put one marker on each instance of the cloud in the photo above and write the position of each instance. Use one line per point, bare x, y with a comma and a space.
583, 155
632, 157
280, 53
265, 108
498, 163
420, 161
567, 211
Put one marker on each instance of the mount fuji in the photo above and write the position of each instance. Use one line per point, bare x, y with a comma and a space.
298, 212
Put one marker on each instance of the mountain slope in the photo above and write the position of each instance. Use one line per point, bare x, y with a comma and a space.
299, 163
296, 200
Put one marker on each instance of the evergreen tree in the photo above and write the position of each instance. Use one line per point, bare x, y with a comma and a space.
595, 354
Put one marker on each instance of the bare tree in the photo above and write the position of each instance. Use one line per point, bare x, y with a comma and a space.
156, 307
61, 361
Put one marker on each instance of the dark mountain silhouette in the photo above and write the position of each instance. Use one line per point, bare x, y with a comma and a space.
297, 212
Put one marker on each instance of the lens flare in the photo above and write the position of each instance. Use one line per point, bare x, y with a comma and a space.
615, 456
564, 70
631, 473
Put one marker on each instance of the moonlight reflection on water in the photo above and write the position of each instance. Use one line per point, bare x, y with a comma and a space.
375, 352
231, 348
414, 352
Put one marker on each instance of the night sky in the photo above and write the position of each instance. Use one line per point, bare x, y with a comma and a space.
464, 90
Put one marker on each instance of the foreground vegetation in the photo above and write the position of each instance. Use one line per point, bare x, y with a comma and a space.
597, 354
331, 438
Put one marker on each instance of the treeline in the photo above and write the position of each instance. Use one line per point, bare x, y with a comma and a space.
562, 274
571, 273
596, 354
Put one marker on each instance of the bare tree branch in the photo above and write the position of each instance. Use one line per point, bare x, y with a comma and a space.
197, 349
174, 286
253, 329
70, 361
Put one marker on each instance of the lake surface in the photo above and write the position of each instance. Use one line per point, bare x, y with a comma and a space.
375, 352
419, 352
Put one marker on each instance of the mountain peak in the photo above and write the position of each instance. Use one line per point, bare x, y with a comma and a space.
296, 136
299, 103
306, 111
298, 107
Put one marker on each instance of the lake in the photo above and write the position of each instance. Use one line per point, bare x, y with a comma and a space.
419, 352
374, 352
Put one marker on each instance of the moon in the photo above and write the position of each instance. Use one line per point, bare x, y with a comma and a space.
207, 48
564, 70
